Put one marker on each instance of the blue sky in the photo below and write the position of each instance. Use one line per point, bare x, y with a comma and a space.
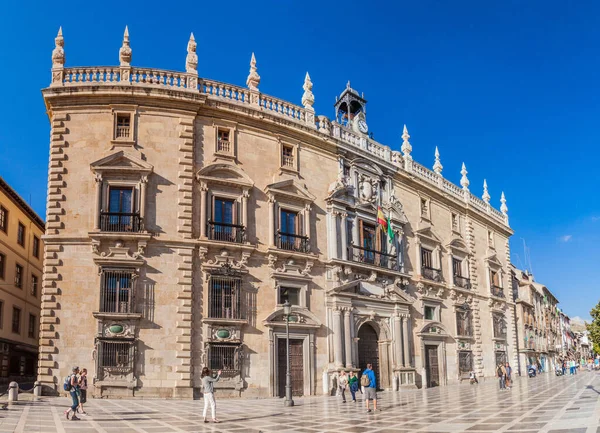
510, 88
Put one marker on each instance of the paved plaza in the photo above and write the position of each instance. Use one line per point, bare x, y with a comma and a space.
543, 404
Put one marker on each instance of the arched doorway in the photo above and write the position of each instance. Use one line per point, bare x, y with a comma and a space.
368, 350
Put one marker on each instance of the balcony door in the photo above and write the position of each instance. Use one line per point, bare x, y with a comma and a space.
223, 220
290, 229
368, 241
121, 209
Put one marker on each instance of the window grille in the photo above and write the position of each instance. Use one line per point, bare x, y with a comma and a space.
499, 326
224, 357
465, 362
224, 297
115, 358
501, 357
426, 258
117, 290
464, 323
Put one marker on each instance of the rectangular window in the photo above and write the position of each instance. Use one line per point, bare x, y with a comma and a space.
116, 292
464, 323
223, 142
224, 297
19, 276
16, 320
287, 156
115, 357
223, 211
290, 294
1, 314
34, 285
429, 313
465, 362
31, 328
289, 222
457, 267
499, 323
426, 258
424, 210
123, 128
223, 225
495, 278
121, 215
455, 222
224, 357
21, 235
36, 247
3, 219
2, 265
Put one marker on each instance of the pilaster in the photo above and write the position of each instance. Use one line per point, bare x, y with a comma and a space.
185, 177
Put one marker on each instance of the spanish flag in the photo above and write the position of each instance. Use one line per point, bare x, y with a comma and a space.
381, 219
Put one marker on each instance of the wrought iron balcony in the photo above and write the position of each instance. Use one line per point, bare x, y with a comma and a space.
292, 242
497, 291
225, 232
121, 222
432, 274
462, 282
372, 257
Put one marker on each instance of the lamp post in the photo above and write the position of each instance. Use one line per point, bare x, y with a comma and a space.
287, 310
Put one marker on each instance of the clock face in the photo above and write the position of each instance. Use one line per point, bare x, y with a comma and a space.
362, 126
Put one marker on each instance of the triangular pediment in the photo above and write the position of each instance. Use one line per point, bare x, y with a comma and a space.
427, 232
121, 161
224, 174
290, 188
493, 259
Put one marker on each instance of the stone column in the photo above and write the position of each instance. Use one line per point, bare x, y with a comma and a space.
245, 195
398, 343
348, 338
307, 220
337, 337
418, 264
97, 205
334, 235
344, 228
407, 362
203, 210
271, 221
143, 187
355, 235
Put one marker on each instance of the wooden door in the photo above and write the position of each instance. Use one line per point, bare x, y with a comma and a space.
368, 351
432, 366
296, 367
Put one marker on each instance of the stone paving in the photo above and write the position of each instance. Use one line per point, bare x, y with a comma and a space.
543, 404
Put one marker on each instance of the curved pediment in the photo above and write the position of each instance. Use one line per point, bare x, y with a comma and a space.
300, 318
457, 243
121, 162
290, 188
434, 330
389, 292
368, 166
228, 174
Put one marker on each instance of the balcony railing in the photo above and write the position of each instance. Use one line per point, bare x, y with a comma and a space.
497, 291
225, 232
121, 222
292, 242
432, 274
122, 131
462, 282
372, 257
224, 146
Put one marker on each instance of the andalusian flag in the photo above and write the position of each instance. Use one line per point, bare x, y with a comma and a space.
390, 231
381, 219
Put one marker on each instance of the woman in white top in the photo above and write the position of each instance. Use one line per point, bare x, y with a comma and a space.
208, 389
343, 384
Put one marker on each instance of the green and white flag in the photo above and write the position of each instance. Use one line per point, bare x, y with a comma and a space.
390, 232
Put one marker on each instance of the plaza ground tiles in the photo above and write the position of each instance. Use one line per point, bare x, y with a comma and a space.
543, 404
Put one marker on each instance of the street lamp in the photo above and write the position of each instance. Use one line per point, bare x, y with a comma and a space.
287, 310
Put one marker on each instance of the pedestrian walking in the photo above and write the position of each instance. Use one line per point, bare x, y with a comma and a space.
83, 386
353, 385
501, 373
209, 390
508, 369
71, 385
370, 383
564, 367
342, 385
473, 378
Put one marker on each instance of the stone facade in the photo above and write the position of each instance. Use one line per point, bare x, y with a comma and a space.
191, 210
21, 270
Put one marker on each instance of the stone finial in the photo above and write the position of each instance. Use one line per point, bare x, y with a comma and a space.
406, 147
486, 195
125, 51
464, 181
503, 207
58, 54
191, 60
308, 98
253, 78
437, 166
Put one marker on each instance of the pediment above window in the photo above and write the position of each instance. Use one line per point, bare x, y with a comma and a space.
299, 318
291, 189
458, 244
226, 265
121, 162
389, 292
365, 166
426, 232
493, 261
433, 330
225, 174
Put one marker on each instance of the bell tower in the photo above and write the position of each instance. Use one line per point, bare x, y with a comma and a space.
351, 110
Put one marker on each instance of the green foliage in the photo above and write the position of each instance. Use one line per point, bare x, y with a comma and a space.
594, 327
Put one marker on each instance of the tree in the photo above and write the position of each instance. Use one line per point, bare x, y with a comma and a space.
594, 327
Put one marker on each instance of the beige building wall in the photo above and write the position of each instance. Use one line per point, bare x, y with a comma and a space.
19, 332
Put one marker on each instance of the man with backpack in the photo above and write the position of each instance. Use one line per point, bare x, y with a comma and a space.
369, 382
501, 373
71, 385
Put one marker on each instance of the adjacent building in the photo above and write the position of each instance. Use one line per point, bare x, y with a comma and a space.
21, 270
183, 213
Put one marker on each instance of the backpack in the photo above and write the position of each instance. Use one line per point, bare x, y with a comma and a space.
67, 383
499, 371
364, 380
